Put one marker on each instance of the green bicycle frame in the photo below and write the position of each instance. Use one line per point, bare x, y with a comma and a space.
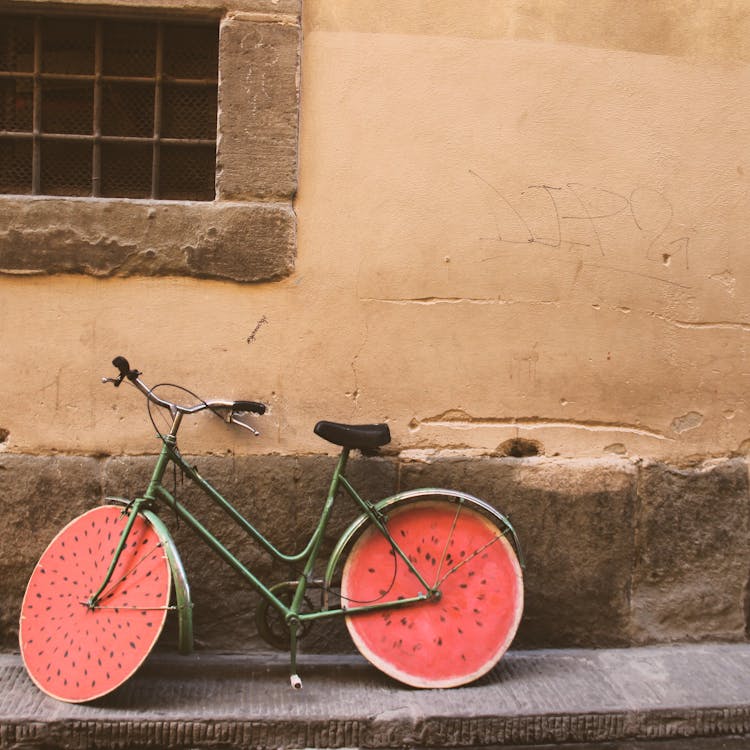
292, 614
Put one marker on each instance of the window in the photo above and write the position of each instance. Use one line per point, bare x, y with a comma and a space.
197, 116
108, 107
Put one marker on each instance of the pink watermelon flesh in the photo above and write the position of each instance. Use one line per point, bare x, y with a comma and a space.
75, 653
441, 643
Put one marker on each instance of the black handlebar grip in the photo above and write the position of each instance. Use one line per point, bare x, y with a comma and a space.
253, 406
122, 365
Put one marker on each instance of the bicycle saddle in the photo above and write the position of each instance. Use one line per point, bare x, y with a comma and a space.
362, 436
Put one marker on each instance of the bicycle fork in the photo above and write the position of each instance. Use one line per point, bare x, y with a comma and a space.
133, 512
183, 602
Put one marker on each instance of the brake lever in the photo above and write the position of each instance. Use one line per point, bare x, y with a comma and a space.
233, 420
115, 381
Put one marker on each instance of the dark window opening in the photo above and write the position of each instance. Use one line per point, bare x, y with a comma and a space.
108, 107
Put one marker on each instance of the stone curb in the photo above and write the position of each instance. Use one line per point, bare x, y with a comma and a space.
693, 695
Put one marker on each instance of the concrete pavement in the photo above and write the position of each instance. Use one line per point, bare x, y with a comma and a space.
694, 696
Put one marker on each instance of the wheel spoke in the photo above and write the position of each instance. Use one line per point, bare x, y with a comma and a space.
439, 580
468, 559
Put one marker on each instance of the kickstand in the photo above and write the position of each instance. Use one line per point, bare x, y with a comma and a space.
294, 678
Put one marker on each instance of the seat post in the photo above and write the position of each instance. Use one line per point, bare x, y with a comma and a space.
342, 462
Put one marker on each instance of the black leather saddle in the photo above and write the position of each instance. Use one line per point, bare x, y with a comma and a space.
362, 436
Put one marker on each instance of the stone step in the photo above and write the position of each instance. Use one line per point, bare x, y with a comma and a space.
686, 696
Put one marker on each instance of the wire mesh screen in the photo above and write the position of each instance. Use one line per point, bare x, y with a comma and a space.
128, 49
108, 107
15, 166
65, 168
127, 109
16, 105
126, 169
67, 107
16, 44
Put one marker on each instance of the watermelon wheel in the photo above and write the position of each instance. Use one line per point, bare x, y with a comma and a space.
74, 652
449, 640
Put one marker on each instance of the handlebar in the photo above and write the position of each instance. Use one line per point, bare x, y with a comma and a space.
231, 407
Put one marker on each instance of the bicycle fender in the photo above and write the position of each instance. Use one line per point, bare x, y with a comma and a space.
179, 578
404, 498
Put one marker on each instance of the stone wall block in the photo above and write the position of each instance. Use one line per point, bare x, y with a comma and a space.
615, 554
693, 552
574, 520
258, 108
39, 495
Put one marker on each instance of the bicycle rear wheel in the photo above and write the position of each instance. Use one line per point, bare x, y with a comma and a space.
443, 642
74, 652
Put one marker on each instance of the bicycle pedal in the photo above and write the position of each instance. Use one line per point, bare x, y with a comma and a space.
296, 681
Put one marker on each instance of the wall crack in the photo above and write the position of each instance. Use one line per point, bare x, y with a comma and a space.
456, 419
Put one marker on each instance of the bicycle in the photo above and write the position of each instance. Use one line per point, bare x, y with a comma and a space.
430, 579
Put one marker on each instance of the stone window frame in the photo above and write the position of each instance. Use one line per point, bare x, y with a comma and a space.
248, 232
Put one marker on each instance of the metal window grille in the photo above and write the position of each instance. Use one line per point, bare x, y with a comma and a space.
108, 107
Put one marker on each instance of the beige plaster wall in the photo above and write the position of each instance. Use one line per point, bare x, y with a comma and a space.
514, 220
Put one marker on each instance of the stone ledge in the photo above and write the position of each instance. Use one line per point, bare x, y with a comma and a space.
241, 242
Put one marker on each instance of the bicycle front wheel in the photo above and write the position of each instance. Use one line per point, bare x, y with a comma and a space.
76, 652
456, 637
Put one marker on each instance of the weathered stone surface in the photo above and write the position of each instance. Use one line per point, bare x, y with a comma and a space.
668, 698
39, 496
602, 569
575, 521
258, 108
234, 241
693, 552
